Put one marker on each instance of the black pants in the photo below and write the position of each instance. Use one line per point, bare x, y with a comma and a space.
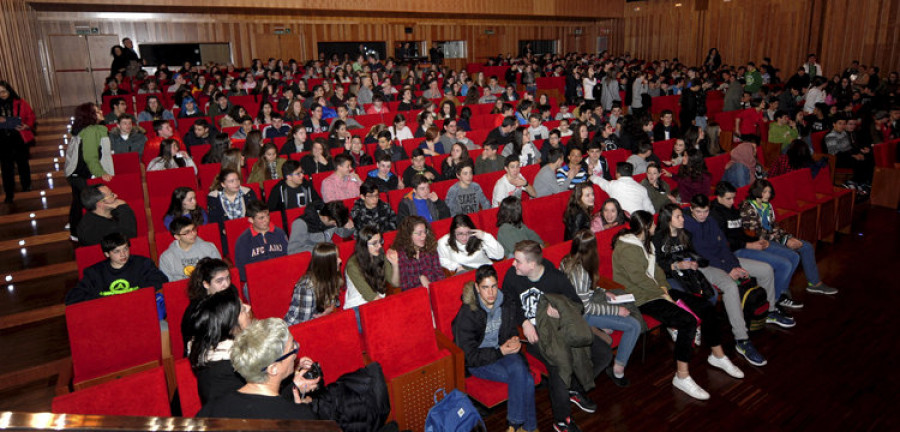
601, 355
14, 154
77, 184
863, 170
670, 315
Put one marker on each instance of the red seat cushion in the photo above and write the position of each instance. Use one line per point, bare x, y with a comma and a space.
333, 341
141, 394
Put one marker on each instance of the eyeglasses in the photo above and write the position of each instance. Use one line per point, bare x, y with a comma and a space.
376, 243
463, 234
190, 231
294, 350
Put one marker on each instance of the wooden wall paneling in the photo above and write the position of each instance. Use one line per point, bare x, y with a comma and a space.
20, 55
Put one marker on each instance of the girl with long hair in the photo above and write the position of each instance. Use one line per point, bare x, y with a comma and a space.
268, 166
317, 293
610, 216
579, 210
184, 203
220, 143
417, 253
510, 228
635, 267
227, 198
171, 156
693, 178
370, 269
466, 247
582, 267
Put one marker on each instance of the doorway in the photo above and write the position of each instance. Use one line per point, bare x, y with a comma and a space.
80, 65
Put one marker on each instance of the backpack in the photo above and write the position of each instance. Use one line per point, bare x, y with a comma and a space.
753, 303
358, 401
454, 413
73, 154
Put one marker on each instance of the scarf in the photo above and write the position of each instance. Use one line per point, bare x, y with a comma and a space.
766, 214
744, 155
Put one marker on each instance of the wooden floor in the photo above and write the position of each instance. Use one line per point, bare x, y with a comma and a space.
831, 372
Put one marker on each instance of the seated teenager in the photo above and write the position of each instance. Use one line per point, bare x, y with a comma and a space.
278, 129
213, 322
629, 193
693, 177
385, 145
120, 273
126, 138
181, 257
581, 266
293, 190
677, 257
574, 172
635, 267
523, 148
357, 154
596, 162
318, 224
417, 255
296, 142
743, 168
201, 133
227, 199
261, 241
783, 262
489, 161
666, 129
318, 160
268, 166
758, 217
171, 156
658, 190
639, 159
419, 167
466, 196
421, 201
317, 293
154, 111
106, 214
344, 183
264, 354
610, 216
369, 209
510, 229
532, 281
579, 211
486, 330
547, 181
466, 247
513, 183
184, 203
432, 145
382, 176
458, 154
370, 269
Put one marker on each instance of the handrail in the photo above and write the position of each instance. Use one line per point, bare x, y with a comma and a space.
10, 420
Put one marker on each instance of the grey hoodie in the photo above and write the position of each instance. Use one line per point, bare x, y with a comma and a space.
178, 264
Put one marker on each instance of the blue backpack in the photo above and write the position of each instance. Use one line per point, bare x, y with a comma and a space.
454, 413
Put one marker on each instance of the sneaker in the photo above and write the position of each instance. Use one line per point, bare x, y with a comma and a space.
673, 333
849, 184
690, 387
697, 337
780, 319
582, 402
726, 365
621, 382
821, 288
789, 303
73, 238
746, 349
566, 426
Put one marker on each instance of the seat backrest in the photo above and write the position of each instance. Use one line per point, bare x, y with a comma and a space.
613, 157
162, 183
233, 229
488, 220
663, 149
206, 174
318, 178
399, 348
536, 213
333, 341
487, 182
817, 138
716, 166
502, 268
441, 187
126, 186
113, 333
141, 394
604, 250
188, 396
271, 283
446, 299
86, 256
127, 163
396, 196
557, 252
175, 294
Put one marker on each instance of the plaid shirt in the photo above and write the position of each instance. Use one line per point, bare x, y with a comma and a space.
233, 209
303, 302
427, 265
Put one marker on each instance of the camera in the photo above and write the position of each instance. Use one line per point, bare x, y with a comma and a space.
314, 372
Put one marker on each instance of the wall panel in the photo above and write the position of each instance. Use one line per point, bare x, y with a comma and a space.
785, 30
20, 54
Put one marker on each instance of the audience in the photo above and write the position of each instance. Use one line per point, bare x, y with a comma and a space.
259, 242
106, 214
293, 190
171, 156
369, 209
422, 201
319, 222
512, 183
344, 183
317, 293
466, 247
180, 259
370, 269
629, 193
228, 199
417, 253
120, 273
466, 196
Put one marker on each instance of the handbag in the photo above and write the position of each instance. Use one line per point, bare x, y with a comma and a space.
694, 282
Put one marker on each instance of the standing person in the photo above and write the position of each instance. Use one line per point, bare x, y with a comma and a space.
486, 330
16, 126
530, 279
634, 266
87, 127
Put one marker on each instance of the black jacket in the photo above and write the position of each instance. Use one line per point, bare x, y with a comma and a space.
93, 228
101, 280
729, 221
469, 327
284, 197
577, 222
214, 208
693, 104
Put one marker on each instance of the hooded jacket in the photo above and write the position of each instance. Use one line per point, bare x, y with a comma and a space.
101, 279
308, 230
382, 216
710, 243
470, 325
283, 197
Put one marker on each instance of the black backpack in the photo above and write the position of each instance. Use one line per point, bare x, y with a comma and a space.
753, 303
358, 401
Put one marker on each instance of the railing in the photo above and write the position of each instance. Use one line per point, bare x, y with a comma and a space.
46, 421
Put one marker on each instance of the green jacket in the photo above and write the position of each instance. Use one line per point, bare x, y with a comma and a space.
783, 135
630, 268
355, 274
566, 342
752, 81
90, 148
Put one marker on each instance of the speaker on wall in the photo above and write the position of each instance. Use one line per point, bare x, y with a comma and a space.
408, 30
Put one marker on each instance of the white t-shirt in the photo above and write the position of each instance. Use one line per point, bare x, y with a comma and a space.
503, 188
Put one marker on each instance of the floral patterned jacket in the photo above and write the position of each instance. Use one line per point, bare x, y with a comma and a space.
752, 213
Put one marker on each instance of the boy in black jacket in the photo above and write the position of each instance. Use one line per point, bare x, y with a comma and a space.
531, 277
293, 191
486, 329
120, 273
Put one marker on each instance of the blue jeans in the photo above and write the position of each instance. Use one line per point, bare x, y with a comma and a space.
677, 286
783, 261
807, 258
513, 370
629, 327
700, 122
738, 175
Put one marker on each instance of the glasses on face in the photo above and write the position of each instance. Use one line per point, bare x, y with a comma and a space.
375, 243
462, 234
295, 348
188, 231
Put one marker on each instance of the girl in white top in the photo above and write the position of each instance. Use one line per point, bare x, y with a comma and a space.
171, 156
588, 82
400, 131
467, 247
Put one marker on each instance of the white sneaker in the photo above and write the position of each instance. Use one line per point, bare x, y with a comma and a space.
726, 365
673, 333
690, 387
697, 337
